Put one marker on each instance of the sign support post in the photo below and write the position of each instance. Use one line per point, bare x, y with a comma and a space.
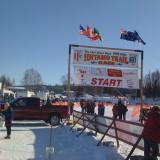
141, 85
68, 82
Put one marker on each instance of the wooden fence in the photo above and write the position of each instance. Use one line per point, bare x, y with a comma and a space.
125, 131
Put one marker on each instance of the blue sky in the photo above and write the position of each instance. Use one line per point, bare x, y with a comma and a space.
37, 33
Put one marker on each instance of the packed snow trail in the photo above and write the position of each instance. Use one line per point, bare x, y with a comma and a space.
31, 142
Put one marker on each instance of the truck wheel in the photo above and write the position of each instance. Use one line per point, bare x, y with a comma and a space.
54, 120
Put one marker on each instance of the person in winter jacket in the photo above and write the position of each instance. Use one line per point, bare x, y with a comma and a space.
122, 109
143, 115
151, 134
7, 112
115, 110
90, 106
82, 105
101, 108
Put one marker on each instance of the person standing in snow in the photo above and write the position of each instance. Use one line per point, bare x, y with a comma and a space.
7, 112
122, 109
82, 105
143, 115
101, 108
71, 105
115, 110
90, 105
151, 134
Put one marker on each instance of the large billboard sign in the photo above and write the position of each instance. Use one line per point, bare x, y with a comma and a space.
105, 57
106, 77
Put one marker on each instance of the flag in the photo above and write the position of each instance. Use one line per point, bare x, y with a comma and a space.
89, 32
92, 34
131, 36
82, 30
97, 35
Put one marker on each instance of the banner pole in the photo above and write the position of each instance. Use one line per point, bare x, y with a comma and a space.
141, 85
68, 83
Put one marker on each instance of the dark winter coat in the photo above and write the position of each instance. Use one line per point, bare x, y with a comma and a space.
115, 110
152, 126
8, 114
83, 105
90, 107
124, 109
101, 110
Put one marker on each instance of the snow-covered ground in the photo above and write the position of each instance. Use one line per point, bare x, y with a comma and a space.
30, 141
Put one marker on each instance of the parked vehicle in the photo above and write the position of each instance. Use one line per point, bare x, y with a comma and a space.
32, 108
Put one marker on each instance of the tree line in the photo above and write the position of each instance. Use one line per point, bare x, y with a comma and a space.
31, 77
33, 80
152, 84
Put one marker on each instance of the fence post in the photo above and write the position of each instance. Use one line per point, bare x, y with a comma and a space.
116, 134
132, 150
106, 131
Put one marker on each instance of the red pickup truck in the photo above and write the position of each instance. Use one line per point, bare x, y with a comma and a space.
32, 108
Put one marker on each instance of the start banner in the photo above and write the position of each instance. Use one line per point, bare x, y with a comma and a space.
106, 77
105, 57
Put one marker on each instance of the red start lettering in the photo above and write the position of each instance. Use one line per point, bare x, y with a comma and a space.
106, 82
